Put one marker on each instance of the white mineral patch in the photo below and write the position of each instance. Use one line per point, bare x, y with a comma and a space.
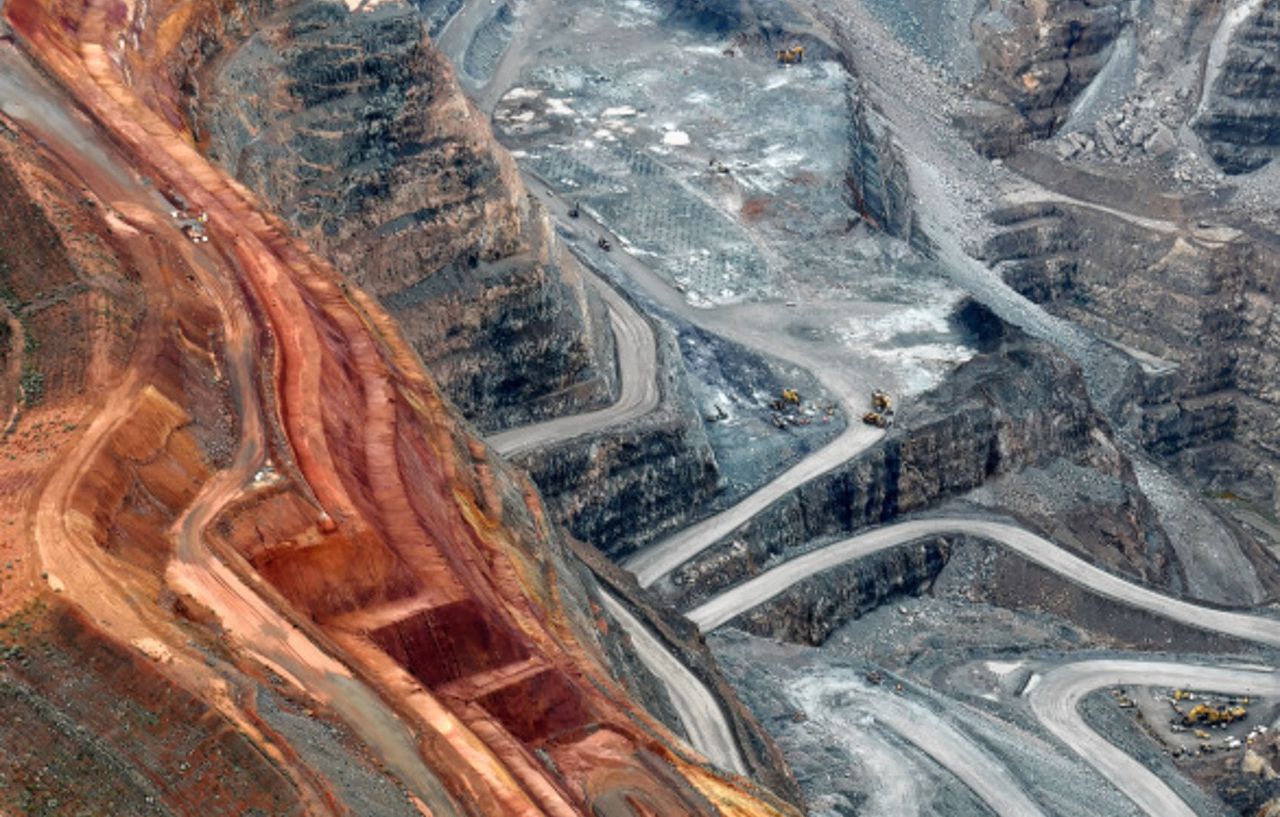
1002, 668
677, 138
521, 93
153, 649
558, 107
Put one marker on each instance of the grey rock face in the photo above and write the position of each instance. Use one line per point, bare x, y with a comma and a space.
1239, 119
811, 611
354, 128
879, 189
622, 488
1020, 405
1204, 312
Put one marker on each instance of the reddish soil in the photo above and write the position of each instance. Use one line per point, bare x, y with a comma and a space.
382, 547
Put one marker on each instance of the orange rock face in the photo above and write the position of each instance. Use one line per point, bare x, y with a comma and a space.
269, 460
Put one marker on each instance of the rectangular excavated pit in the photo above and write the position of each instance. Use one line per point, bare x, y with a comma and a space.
442, 644
537, 708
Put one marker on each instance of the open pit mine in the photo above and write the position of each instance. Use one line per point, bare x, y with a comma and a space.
640, 408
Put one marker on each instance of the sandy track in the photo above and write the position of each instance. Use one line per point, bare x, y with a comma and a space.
1054, 700
637, 354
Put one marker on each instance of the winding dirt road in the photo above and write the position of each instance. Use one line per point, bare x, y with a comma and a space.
637, 358
830, 703
1037, 549
1056, 700
708, 729
765, 331
707, 726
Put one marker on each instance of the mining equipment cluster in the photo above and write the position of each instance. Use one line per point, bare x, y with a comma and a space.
881, 414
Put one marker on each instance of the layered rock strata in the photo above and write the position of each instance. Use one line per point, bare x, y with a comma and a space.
1021, 405
1239, 112
1036, 59
624, 487
354, 128
1195, 306
358, 543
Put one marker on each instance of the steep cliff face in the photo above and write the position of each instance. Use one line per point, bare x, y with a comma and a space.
810, 612
1200, 304
1036, 59
879, 189
1239, 113
354, 128
625, 487
1018, 406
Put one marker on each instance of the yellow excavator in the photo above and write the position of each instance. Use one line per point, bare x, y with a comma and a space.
791, 56
1213, 715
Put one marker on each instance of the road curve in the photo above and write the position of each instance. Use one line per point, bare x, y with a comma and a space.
823, 698
1055, 701
267, 635
705, 723
661, 558
637, 353
1037, 549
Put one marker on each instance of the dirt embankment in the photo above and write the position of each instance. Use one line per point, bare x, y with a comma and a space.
464, 610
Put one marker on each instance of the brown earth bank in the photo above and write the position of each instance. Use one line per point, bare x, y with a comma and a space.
358, 539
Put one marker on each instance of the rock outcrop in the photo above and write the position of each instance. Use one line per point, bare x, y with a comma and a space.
1197, 308
624, 487
355, 129
1239, 115
811, 611
1019, 405
879, 190
1036, 59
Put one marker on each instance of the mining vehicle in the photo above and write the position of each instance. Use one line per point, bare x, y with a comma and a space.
603, 243
791, 56
1213, 715
880, 401
875, 418
791, 397
574, 211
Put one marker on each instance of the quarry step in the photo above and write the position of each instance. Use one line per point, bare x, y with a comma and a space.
382, 615
481, 684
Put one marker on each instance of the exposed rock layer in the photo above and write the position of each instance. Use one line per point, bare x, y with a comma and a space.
1204, 308
1239, 117
1037, 57
355, 129
1022, 405
624, 487
402, 566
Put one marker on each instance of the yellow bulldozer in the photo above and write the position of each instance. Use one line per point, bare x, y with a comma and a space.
791, 56
881, 401
791, 397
